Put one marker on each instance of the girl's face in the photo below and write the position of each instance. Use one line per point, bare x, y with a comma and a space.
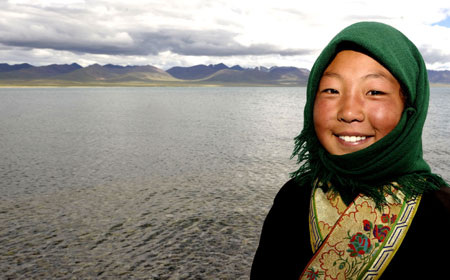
358, 102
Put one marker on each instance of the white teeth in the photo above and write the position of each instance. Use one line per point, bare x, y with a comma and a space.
352, 138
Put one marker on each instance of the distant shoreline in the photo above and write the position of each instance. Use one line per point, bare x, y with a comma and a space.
439, 85
105, 85
181, 84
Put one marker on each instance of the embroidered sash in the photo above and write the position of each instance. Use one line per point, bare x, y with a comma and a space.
358, 241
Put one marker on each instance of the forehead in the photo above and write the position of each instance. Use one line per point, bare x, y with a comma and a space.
357, 65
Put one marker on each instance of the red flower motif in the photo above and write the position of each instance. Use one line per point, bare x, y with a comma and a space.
385, 218
393, 218
380, 232
359, 245
367, 225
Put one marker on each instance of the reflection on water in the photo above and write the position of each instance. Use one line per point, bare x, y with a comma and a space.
150, 183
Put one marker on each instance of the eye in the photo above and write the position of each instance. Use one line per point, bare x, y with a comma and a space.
330, 90
375, 92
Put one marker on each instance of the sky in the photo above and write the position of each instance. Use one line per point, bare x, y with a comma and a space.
171, 33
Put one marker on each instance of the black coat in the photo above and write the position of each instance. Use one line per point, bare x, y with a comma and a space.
285, 250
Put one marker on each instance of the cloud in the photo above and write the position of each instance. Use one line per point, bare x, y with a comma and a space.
432, 55
74, 30
184, 42
204, 43
193, 31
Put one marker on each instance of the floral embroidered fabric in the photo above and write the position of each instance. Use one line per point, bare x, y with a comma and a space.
358, 241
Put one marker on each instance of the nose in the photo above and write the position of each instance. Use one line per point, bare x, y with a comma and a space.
351, 108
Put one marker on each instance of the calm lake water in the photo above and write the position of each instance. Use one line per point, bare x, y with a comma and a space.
150, 183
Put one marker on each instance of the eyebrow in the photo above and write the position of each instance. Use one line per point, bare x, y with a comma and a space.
376, 75
331, 74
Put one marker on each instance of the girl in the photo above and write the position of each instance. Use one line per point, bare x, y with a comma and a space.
363, 193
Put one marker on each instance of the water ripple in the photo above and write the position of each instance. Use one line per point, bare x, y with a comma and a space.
149, 183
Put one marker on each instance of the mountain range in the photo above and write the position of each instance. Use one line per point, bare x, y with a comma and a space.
198, 75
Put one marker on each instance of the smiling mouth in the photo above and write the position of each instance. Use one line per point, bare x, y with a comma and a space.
352, 139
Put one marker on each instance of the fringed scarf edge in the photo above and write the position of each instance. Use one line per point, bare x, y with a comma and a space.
311, 168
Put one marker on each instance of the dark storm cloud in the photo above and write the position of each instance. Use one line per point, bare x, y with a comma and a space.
183, 42
86, 31
204, 42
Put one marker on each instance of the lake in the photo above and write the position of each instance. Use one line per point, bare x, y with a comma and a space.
151, 183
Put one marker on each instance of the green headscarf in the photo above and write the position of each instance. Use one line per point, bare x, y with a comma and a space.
397, 157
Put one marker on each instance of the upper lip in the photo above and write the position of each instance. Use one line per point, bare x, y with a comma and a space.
352, 134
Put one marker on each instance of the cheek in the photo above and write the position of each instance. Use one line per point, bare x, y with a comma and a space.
323, 111
318, 117
384, 118
323, 115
